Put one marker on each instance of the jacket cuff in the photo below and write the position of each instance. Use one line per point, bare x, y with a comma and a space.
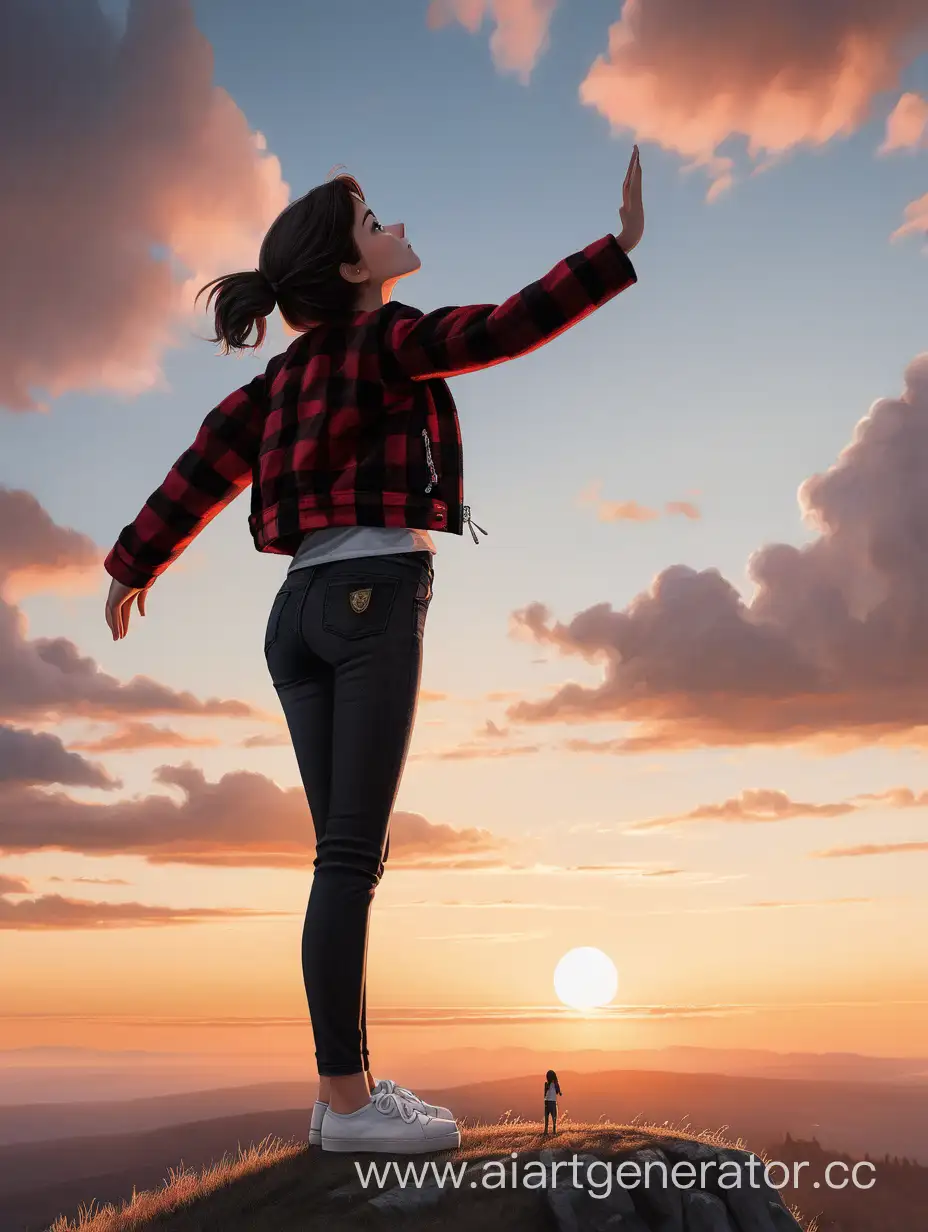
621, 272
118, 567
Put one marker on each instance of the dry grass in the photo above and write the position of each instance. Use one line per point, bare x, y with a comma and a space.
268, 1185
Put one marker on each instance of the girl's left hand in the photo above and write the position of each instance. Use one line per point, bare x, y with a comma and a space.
119, 605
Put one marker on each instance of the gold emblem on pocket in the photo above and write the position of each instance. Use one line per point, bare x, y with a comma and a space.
359, 599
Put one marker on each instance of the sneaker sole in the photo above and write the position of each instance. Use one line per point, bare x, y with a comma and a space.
393, 1146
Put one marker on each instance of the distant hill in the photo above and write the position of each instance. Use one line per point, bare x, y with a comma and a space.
102, 1150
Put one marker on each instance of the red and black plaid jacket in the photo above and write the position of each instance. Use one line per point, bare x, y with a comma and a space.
354, 425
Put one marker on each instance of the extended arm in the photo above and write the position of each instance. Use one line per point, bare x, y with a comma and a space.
203, 480
452, 341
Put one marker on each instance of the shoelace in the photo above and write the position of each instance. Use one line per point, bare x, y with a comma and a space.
403, 1092
390, 1103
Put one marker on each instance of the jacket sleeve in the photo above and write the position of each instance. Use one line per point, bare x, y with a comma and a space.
452, 341
203, 480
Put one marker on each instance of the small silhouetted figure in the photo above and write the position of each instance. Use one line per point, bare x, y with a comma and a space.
552, 1091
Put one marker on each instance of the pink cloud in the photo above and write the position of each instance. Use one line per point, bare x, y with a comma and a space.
36, 554
57, 913
916, 219
630, 510
244, 820
125, 142
683, 509
873, 849
272, 740
131, 736
830, 647
28, 757
521, 29
750, 807
625, 511
766, 805
48, 678
478, 752
690, 74
906, 125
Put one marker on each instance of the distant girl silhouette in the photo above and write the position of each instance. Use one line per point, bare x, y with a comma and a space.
351, 444
552, 1091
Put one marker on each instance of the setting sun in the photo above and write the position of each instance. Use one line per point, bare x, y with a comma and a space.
585, 978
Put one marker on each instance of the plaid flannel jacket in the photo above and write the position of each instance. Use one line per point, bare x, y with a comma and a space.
354, 425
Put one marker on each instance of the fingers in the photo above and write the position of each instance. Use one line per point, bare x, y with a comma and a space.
632, 184
117, 617
626, 186
635, 189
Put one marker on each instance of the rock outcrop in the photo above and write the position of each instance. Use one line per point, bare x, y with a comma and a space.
681, 1186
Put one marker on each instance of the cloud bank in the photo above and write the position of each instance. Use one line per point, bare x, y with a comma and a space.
832, 647
689, 75
115, 149
244, 820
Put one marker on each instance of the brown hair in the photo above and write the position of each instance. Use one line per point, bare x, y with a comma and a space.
302, 252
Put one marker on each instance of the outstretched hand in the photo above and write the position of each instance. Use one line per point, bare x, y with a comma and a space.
119, 605
631, 211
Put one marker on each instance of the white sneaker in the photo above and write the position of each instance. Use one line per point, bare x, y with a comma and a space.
315, 1122
388, 1123
382, 1084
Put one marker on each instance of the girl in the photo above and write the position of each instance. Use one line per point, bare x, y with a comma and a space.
351, 443
552, 1091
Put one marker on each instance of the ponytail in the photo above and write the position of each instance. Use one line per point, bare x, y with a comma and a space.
244, 301
301, 255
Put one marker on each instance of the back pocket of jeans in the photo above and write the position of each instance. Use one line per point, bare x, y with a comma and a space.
358, 607
273, 621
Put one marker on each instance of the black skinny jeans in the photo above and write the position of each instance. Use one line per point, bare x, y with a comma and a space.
344, 649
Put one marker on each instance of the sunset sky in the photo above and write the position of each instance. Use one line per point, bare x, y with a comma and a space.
675, 704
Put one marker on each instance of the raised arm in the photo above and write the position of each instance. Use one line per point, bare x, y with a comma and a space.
203, 480
451, 341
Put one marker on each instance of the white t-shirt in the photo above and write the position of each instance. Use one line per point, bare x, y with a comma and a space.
349, 542
551, 1091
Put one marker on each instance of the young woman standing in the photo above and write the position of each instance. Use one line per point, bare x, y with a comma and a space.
351, 443
552, 1091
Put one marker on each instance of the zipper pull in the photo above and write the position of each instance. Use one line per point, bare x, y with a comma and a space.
428, 454
472, 524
